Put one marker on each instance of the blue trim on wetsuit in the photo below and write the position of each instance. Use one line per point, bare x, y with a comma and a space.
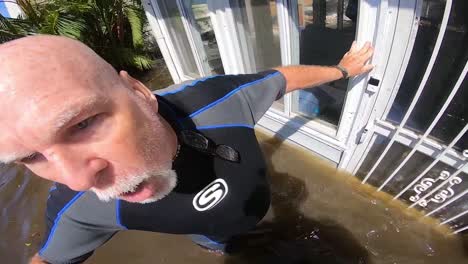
57, 219
224, 126
224, 98
187, 85
207, 242
117, 214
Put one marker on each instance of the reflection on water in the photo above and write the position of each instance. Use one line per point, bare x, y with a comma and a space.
318, 215
22, 203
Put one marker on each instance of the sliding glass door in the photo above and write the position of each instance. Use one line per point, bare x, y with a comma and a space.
326, 33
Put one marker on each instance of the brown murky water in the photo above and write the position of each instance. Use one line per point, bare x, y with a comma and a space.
318, 215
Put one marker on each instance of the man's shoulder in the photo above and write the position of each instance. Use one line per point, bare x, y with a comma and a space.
215, 100
213, 83
82, 207
60, 198
77, 223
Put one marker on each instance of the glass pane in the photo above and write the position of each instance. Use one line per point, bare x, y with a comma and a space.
413, 167
431, 179
172, 18
447, 68
392, 159
372, 156
461, 221
327, 31
257, 22
454, 119
199, 12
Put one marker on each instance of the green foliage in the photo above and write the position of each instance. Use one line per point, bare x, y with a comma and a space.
112, 28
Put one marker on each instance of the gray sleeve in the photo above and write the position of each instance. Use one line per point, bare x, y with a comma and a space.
260, 96
240, 100
79, 228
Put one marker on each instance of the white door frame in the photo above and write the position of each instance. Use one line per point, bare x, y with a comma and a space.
402, 47
440, 191
330, 143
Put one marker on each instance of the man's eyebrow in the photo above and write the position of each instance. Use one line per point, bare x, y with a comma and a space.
68, 115
58, 123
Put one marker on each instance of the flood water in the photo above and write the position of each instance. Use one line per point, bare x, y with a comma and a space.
318, 215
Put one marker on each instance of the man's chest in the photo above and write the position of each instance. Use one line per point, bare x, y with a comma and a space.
213, 196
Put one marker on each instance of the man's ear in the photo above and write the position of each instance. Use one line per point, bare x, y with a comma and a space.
138, 88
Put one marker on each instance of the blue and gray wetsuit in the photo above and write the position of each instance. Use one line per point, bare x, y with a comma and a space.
214, 197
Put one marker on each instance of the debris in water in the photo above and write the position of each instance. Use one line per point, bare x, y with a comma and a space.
372, 251
373, 234
430, 252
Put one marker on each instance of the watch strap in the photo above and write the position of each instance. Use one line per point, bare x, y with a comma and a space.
343, 71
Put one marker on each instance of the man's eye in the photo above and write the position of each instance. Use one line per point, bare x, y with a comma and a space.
85, 123
30, 158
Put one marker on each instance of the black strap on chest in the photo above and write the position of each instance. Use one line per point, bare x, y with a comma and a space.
188, 135
202, 144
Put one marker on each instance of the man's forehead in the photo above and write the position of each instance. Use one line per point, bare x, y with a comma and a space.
49, 116
44, 85
55, 116
43, 129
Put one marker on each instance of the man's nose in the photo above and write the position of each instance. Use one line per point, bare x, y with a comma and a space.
76, 169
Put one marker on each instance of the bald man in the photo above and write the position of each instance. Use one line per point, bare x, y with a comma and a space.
183, 161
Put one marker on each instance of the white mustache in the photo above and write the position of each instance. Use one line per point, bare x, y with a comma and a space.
168, 178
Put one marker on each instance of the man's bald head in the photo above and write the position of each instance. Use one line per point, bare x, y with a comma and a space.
69, 117
48, 81
30, 62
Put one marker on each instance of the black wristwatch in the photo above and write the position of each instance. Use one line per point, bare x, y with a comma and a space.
342, 70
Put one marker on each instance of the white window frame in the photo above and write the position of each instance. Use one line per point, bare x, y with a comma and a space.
323, 139
164, 42
195, 40
166, 45
329, 142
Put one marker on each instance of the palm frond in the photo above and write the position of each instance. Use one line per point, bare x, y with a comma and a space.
113, 28
10, 30
50, 23
70, 27
31, 10
128, 57
142, 62
135, 20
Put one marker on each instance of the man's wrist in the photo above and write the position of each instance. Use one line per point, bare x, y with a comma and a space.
344, 72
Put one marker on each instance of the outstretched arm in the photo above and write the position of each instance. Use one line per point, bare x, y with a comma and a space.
305, 76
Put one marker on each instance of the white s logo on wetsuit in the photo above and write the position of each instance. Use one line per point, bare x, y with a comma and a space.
211, 195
